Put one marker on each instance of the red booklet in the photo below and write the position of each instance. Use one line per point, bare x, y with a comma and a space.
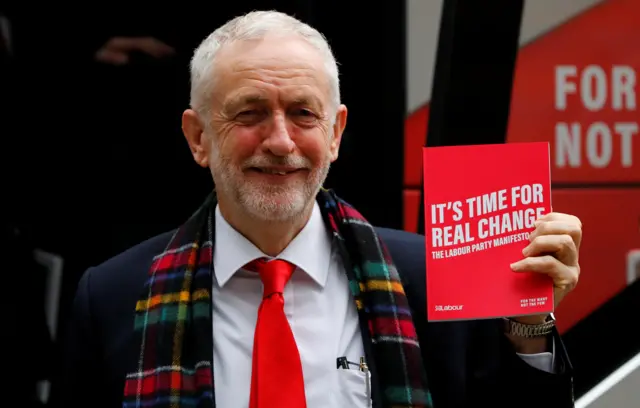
480, 205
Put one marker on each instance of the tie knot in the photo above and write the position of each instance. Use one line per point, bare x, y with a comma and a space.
274, 274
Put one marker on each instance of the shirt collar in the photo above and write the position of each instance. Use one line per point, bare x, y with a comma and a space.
310, 250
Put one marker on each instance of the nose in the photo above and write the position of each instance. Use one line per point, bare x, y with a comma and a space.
278, 141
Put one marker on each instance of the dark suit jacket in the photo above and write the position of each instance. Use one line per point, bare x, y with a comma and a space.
469, 364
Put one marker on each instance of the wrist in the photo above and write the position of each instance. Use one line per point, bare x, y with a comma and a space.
529, 334
524, 345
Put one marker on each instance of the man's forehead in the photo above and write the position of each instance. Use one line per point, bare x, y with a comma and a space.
258, 76
275, 57
296, 96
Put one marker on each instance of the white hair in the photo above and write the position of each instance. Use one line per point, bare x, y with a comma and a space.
251, 26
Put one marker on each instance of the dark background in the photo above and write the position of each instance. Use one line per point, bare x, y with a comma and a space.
93, 159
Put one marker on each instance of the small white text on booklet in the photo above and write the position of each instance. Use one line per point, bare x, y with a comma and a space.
479, 223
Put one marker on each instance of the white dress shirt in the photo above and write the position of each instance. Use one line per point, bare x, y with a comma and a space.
318, 306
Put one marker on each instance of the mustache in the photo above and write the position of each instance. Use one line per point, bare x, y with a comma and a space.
288, 161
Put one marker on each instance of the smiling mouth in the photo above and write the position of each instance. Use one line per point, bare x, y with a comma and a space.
277, 172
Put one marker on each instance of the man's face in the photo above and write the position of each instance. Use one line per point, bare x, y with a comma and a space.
272, 132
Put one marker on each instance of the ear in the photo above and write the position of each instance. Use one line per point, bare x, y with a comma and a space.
193, 131
338, 128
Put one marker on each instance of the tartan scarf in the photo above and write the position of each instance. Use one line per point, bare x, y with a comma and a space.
173, 324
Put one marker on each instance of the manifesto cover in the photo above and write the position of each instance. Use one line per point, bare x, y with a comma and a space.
480, 204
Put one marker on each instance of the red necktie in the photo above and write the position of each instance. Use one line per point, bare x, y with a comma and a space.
276, 377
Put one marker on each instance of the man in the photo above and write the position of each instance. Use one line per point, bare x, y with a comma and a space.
276, 293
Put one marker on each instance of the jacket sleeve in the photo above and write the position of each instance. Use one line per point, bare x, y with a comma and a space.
497, 374
472, 363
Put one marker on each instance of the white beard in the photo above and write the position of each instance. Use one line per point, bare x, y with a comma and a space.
265, 201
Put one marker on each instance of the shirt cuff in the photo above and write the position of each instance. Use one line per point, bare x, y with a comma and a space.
542, 361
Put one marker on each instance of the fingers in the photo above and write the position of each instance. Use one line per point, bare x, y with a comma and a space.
561, 227
155, 47
553, 251
111, 57
149, 45
121, 44
564, 277
543, 264
562, 247
566, 218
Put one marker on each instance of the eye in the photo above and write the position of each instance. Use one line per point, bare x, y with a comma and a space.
248, 113
304, 117
303, 113
250, 116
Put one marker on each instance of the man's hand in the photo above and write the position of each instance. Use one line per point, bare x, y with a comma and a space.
118, 50
553, 250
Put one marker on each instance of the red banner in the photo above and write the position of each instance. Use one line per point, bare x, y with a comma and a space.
577, 88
